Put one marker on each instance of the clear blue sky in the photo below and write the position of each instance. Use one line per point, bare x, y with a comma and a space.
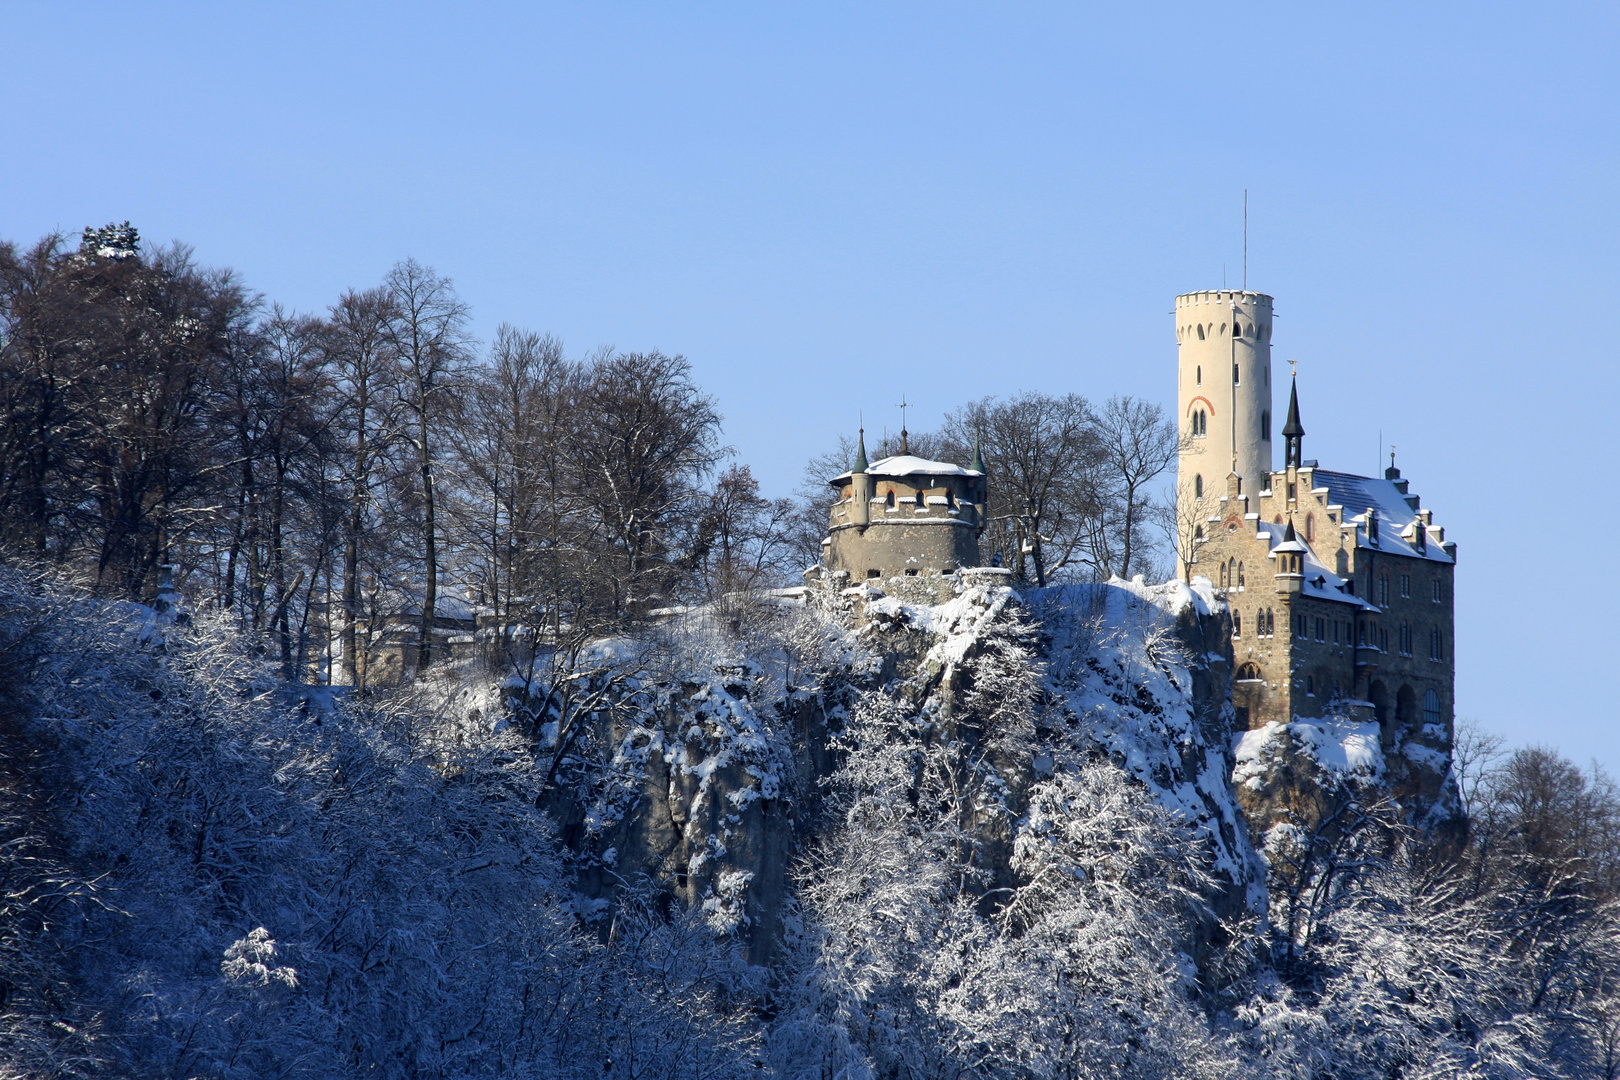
826, 206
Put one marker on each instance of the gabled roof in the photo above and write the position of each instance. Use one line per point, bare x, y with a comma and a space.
1395, 515
1320, 582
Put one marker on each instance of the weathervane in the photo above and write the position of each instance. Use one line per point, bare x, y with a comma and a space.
905, 447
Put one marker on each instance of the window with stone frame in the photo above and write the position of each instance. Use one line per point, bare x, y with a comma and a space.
1435, 651
1406, 585
1439, 590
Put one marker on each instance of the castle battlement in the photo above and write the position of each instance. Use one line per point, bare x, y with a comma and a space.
904, 516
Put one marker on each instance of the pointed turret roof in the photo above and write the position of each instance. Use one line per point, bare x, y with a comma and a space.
1290, 541
1293, 429
977, 465
860, 454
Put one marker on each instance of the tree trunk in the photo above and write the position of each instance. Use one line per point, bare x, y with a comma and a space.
430, 546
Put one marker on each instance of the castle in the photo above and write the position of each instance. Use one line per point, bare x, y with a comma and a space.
1339, 586
904, 516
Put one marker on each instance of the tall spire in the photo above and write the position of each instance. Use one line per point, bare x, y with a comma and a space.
860, 454
1293, 431
978, 456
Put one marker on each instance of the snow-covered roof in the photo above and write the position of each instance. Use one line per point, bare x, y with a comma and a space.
909, 465
407, 601
1320, 582
1395, 515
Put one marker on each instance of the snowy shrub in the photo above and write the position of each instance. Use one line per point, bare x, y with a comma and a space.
309, 894
920, 952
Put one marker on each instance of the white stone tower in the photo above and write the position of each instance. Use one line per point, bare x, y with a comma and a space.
1223, 393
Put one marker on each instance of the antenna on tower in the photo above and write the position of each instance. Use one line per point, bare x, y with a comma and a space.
1245, 239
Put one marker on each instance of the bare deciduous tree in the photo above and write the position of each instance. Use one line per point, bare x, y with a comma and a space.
1043, 456
428, 332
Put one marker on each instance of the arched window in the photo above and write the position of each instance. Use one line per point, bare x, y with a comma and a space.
1223, 329
1434, 644
922, 499
1271, 623
1198, 485
1310, 685
1198, 532
888, 500
1383, 590
1406, 638
1200, 331
1240, 575
1431, 707
1310, 528
1237, 624
1249, 672
1226, 577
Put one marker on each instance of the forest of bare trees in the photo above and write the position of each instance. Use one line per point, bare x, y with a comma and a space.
316, 474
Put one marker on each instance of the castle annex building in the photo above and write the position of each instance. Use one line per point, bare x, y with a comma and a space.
904, 516
1339, 586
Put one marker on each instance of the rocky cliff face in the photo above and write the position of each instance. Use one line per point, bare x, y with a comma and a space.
709, 789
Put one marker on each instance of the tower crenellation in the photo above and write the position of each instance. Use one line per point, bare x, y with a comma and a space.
905, 516
1223, 388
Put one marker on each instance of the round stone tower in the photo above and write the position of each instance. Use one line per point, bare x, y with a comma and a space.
1223, 391
905, 516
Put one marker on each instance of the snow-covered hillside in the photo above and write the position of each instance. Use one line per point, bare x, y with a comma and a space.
968, 833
